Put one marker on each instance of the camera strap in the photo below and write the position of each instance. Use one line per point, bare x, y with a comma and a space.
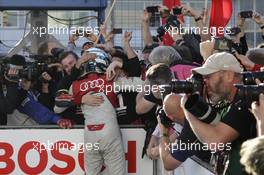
220, 162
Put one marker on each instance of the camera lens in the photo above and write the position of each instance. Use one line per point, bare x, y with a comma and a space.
182, 86
249, 93
202, 110
249, 78
196, 106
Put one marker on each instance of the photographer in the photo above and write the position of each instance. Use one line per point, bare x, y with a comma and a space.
11, 95
156, 75
220, 72
172, 158
149, 99
171, 106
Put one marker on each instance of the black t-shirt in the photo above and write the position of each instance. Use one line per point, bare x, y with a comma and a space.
242, 120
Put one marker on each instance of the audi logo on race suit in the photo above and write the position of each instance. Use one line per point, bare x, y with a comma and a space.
98, 83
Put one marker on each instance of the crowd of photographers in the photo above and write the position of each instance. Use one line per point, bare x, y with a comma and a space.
199, 92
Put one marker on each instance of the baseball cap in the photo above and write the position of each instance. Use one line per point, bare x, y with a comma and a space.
217, 62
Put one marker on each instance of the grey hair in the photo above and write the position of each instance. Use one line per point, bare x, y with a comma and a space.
252, 155
164, 54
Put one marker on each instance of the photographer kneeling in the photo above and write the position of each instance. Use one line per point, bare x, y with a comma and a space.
220, 72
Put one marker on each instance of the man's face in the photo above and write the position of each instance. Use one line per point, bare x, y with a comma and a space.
68, 63
217, 88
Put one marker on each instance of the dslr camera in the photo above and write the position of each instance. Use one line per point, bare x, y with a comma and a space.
189, 86
249, 91
195, 104
172, 21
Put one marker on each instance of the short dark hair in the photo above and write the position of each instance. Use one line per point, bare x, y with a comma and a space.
252, 155
67, 53
120, 54
18, 60
159, 74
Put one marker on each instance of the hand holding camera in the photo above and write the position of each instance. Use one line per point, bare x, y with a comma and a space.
127, 36
188, 11
254, 15
45, 79
163, 119
246, 14
258, 19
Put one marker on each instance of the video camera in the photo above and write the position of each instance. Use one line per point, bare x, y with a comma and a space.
32, 70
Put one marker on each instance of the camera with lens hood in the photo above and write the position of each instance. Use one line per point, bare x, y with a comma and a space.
249, 91
249, 78
193, 84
